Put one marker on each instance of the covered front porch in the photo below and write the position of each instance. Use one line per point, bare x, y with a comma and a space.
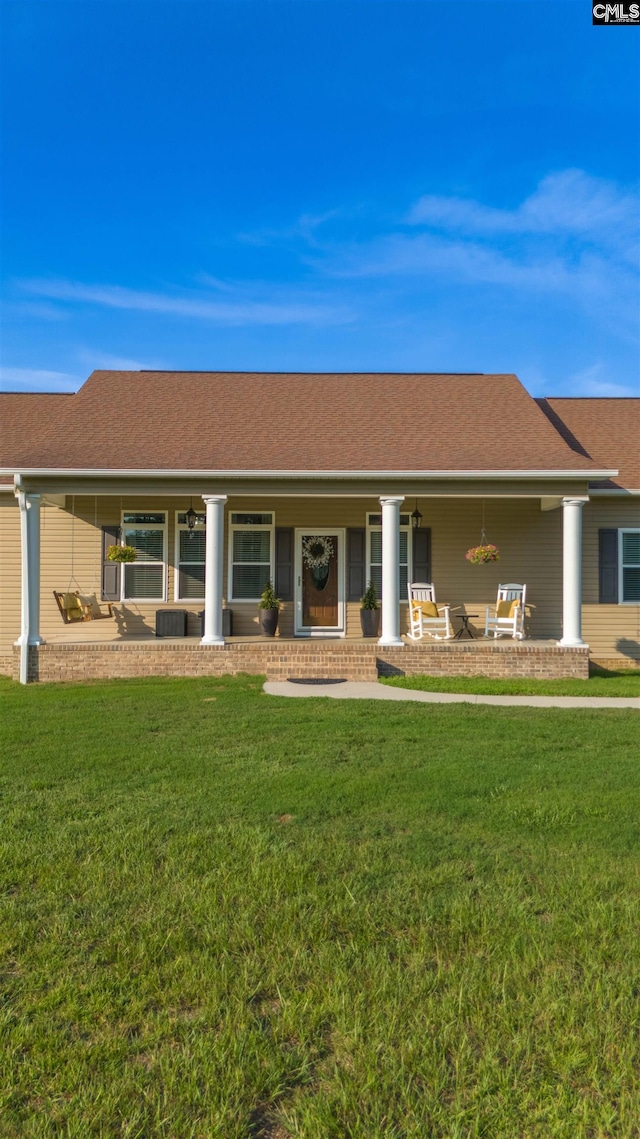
245, 537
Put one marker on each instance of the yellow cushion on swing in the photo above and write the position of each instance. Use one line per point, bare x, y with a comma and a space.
73, 607
92, 604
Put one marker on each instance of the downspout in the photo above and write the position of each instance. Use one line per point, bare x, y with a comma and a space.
23, 639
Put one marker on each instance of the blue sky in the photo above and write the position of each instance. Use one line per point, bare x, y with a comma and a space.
389, 186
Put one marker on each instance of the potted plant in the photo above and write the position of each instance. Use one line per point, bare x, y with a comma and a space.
480, 555
370, 612
121, 554
268, 609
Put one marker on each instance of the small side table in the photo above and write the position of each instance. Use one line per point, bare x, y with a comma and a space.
464, 628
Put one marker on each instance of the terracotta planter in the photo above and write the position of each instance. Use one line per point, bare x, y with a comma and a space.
370, 622
268, 621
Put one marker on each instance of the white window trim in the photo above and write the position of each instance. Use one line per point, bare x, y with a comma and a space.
165, 542
177, 563
621, 566
370, 530
233, 526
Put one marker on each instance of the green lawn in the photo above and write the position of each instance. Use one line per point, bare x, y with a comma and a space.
231, 915
602, 682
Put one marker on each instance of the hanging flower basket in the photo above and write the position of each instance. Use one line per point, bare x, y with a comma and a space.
317, 551
480, 555
121, 554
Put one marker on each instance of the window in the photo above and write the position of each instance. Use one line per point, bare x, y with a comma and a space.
144, 579
629, 565
190, 558
374, 552
251, 555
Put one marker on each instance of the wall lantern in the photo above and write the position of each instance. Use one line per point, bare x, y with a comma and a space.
191, 518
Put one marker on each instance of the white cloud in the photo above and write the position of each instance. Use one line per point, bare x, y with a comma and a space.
575, 236
240, 312
97, 360
38, 380
570, 202
589, 274
404, 255
597, 381
41, 310
305, 227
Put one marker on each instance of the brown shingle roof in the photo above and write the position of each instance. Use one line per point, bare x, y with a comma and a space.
606, 430
235, 421
25, 418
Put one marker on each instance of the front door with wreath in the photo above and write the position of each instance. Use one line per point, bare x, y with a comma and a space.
319, 603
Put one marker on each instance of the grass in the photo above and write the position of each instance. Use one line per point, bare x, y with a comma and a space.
231, 915
601, 682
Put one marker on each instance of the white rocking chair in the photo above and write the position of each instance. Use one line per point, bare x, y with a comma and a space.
508, 619
425, 616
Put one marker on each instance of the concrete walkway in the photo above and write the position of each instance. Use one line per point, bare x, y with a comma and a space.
363, 690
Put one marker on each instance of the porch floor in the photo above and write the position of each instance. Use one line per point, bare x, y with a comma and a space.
84, 635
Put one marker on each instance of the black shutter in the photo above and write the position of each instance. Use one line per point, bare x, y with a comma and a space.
284, 563
422, 555
356, 563
110, 570
608, 567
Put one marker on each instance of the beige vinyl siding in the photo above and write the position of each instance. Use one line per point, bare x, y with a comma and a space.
71, 558
72, 555
530, 541
611, 631
530, 544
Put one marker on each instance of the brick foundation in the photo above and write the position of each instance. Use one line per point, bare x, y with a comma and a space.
303, 659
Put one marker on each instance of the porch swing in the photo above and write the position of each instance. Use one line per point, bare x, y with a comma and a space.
73, 605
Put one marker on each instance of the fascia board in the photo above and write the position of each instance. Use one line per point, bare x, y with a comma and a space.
613, 492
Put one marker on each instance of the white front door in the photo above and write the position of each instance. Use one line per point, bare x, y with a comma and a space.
319, 575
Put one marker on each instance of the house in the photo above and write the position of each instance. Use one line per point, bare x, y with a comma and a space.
267, 462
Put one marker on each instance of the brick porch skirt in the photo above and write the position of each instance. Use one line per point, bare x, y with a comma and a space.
281, 660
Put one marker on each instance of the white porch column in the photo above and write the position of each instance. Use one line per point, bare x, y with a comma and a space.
391, 571
214, 563
29, 505
572, 571
33, 545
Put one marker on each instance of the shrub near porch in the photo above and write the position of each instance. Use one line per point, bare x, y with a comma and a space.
227, 914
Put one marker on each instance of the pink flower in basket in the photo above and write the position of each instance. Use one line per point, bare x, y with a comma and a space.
479, 555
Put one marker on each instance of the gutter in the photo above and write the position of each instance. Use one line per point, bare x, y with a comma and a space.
132, 472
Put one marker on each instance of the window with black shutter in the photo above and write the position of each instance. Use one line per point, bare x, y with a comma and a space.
111, 571
630, 566
356, 565
422, 555
284, 563
608, 567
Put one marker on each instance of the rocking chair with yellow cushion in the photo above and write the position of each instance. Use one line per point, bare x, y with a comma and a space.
508, 619
425, 616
